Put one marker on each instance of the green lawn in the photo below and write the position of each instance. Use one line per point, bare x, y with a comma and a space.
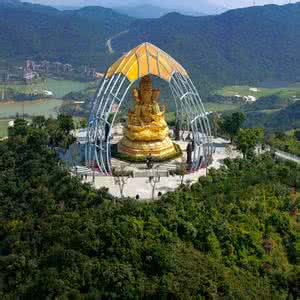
219, 107
291, 91
269, 111
3, 127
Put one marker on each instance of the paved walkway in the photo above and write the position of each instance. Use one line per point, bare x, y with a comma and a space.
143, 188
141, 185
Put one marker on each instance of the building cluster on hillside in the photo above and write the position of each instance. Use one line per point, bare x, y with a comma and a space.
248, 98
32, 70
46, 68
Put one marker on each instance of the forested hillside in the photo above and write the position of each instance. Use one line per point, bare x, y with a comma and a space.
239, 46
284, 119
39, 32
230, 236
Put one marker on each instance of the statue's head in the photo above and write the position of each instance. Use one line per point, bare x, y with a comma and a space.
146, 83
146, 89
155, 95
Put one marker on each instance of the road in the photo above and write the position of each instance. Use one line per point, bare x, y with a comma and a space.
109, 41
287, 156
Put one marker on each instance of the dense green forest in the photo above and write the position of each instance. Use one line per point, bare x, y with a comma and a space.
232, 235
42, 32
286, 142
286, 118
239, 46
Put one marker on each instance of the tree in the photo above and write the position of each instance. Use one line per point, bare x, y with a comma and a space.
232, 124
60, 131
215, 123
297, 135
121, 178
65, 123
38, 122
182, 172
154, 180
19, 128
83, 123
247, 140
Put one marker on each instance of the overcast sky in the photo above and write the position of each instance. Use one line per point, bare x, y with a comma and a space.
186, 4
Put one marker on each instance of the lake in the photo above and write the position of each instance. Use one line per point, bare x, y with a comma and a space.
59, 87
46, 108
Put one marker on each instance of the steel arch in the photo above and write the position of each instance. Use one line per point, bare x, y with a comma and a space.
111, 93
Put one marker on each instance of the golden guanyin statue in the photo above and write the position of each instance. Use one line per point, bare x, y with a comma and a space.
147, 131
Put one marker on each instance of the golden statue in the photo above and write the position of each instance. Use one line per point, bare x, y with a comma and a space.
147, 131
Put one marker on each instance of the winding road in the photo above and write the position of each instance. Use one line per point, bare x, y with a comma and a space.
109, 41
287, 156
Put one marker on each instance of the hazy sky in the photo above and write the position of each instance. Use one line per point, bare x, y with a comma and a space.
186, 4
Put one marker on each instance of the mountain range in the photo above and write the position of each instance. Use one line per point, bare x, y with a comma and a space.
31, 31
239, 46
148, 11
140, 8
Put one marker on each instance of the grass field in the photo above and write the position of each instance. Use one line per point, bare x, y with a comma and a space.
269, 111
59, 87
290, 91
3, 127
219, 107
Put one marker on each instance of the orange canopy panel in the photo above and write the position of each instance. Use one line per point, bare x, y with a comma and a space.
143, 60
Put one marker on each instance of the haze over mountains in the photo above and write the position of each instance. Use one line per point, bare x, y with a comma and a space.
151, 11
142, 8
239, 46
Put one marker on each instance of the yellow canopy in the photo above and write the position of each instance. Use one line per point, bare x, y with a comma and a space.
143, 60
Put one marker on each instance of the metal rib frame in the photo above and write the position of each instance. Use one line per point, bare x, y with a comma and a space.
111, 94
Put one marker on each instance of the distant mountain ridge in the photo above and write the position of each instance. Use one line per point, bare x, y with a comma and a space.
32, 31
147, 11
239, 46
10, 1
